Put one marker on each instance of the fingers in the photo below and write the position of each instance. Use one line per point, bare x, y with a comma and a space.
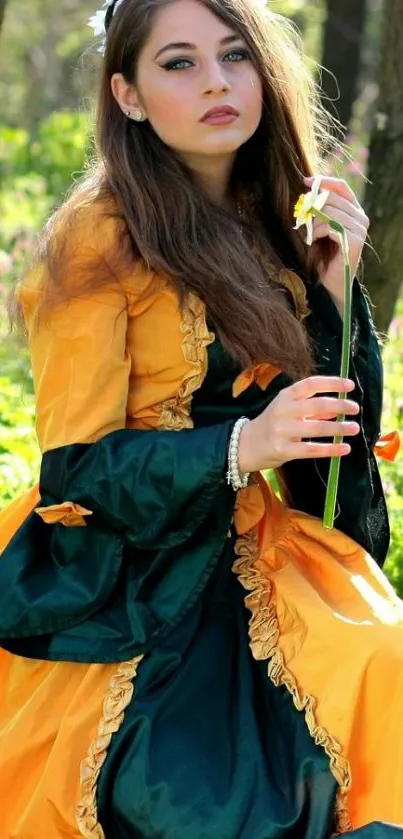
302, 451
351, 222
337, 202
339, 186
308, 387
323, 428
322, 407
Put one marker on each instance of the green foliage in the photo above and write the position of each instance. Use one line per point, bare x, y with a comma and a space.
59, 150
308, 17
392, 473
19, 454
35, 173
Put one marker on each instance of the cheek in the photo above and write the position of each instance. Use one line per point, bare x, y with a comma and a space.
167, 105
251, 97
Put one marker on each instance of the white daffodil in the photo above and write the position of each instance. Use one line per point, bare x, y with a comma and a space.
306, 205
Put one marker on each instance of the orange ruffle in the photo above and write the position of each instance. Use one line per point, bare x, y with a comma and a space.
260, 374
69, 514
388, 445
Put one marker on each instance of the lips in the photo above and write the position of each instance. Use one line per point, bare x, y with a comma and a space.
223, 110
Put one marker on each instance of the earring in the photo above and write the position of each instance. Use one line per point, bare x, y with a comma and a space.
138, 115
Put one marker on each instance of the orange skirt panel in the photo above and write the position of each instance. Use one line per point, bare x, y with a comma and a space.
331, 627
49, 715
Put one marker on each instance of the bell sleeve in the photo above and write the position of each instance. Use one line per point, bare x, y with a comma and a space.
130, 523
153, 488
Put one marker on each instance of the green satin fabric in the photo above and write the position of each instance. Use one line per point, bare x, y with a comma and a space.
106, 592
209, 748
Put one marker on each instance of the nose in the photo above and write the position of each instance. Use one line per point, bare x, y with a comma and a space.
215, 80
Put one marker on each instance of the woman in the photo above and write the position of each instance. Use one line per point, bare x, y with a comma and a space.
180, 330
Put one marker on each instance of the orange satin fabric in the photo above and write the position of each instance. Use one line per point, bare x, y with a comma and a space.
388, 446
49, 715
340, 633
115, 358
15, 513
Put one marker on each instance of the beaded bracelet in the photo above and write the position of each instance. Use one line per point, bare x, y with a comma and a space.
233, 475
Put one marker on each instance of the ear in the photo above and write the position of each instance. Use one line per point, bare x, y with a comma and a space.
125, 94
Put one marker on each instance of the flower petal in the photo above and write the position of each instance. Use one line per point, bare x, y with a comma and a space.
309, 231
321, 199
317, 181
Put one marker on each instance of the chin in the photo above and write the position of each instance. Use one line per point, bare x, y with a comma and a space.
223, 145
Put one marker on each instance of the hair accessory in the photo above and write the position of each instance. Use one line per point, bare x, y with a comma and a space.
233, 475
100, 21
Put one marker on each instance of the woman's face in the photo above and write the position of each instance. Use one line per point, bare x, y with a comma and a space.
191, 63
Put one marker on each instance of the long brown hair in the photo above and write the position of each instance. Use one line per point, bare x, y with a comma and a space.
167, 220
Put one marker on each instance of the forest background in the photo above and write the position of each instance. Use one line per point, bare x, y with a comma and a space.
48, 65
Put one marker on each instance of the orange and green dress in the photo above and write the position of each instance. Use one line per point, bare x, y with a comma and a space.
179, 661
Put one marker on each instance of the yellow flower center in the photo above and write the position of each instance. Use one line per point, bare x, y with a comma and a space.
299, 205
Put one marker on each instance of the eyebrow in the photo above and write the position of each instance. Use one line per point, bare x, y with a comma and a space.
184, 45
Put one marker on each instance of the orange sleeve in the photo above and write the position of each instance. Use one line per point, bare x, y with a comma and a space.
79, 357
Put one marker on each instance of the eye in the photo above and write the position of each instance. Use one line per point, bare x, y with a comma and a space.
240, 55
176, 63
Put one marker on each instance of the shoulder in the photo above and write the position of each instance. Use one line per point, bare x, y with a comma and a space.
85, 250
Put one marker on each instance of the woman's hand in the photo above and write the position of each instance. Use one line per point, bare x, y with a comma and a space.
342, 206
280, 433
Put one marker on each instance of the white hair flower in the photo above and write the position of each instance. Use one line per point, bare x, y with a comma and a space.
97, 23
97, 20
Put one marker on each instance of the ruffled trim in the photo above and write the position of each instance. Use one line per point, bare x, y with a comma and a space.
264, 633
175, 412
68, 513
117, 699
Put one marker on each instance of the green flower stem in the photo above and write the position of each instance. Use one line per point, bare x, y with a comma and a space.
334, 471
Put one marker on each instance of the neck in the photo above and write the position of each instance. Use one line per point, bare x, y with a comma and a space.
213, 175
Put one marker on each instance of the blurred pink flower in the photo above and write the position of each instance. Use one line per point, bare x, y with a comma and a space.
355, 168
396, 326
6, 263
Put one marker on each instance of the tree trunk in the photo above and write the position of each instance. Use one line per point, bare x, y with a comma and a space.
383, 267
3, 4
342, 42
